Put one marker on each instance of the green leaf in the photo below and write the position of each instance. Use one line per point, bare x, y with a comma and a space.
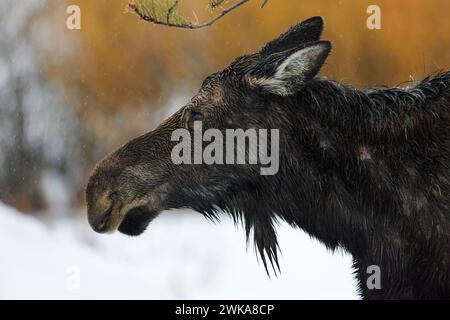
214, 4
160, 10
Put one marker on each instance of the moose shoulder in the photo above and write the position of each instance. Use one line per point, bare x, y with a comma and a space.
364, 170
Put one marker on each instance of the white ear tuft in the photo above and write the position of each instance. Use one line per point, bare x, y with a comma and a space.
297, 68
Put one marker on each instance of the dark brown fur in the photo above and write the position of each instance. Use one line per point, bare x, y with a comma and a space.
367, 171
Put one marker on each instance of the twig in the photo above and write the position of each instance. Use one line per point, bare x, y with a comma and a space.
133, 7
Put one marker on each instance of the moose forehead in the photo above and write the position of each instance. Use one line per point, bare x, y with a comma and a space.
218, 85
211, 91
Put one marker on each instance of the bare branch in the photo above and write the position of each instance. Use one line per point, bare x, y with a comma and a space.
142, 14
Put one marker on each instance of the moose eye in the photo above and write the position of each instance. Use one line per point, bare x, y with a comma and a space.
196, 116
192, 116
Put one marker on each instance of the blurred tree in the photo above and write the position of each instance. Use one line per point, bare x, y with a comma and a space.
18, 156
38, 131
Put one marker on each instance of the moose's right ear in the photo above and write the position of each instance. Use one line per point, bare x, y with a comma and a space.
285, 73
307, 31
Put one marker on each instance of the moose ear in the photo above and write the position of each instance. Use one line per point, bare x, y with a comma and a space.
307, 31
295, 68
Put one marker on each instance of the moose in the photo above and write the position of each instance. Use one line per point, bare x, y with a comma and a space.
367, 170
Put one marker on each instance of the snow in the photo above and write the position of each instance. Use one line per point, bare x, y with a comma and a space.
181, 256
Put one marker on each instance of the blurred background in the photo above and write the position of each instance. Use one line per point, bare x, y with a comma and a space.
68, 97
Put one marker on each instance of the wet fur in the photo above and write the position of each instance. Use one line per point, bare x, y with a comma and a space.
390, 210
363, 170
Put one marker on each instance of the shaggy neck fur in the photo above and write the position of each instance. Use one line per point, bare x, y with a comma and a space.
366, 171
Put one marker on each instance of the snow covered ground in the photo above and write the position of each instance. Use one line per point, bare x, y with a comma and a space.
181, 256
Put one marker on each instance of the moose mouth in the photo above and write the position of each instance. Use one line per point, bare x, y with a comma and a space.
136, 221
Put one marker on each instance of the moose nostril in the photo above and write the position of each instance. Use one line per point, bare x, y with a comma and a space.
102, 222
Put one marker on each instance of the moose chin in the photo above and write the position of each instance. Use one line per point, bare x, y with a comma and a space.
367, 171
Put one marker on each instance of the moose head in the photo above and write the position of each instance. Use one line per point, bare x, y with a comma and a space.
363, 170
132, 185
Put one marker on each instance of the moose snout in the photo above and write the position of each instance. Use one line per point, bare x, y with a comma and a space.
100, 224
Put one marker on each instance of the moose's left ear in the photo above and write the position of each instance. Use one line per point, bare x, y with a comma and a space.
307, 31
294, 68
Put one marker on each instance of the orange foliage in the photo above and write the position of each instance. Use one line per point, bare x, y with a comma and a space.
121, 66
